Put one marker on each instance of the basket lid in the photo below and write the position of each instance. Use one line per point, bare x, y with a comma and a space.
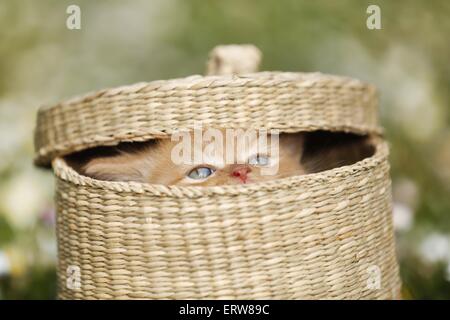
236, 97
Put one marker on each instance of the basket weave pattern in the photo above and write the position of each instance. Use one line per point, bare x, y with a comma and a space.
312, 236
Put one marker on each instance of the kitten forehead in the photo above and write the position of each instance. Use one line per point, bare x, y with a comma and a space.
214, 160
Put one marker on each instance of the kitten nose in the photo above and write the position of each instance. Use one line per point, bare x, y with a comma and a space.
241, 172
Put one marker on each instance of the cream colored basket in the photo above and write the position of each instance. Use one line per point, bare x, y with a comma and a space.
323, 235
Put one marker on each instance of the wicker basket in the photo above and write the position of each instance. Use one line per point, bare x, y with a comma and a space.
322, 235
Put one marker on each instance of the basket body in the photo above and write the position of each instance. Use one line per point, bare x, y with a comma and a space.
320, 236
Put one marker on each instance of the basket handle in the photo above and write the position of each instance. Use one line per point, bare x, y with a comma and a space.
233, 59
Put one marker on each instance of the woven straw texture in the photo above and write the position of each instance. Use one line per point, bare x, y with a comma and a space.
312, 236
327, 235
289, 102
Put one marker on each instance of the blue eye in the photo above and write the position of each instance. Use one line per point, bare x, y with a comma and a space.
200, 173
258, 160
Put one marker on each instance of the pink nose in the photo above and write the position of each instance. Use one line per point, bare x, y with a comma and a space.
241, 173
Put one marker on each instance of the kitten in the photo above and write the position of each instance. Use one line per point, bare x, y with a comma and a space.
151, 162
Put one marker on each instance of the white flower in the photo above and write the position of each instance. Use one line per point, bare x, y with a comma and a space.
24, 196
403, 217
5, 266
435, 247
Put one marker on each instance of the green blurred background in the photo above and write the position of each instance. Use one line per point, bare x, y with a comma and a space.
41, 62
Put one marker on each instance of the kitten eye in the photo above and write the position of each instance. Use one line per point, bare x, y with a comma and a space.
200, 173
259, 160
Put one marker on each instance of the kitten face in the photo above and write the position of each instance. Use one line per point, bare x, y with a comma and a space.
153, 163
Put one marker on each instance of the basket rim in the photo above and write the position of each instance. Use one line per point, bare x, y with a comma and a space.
287, 101
64, 172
